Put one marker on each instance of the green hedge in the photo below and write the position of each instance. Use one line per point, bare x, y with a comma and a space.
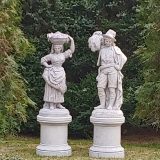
80, 18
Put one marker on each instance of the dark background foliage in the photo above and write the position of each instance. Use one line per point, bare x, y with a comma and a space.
25, 23
80, 18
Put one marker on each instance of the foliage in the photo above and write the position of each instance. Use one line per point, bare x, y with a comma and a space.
13, 96
80, 18
81, 105
148, 95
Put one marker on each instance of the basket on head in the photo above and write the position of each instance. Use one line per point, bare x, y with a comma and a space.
57, 38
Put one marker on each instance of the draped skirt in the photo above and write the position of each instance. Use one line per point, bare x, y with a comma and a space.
55, 86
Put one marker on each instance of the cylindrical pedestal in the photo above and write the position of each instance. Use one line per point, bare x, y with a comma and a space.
107, 134
54, 132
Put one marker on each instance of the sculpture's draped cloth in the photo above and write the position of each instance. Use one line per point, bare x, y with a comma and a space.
55, 77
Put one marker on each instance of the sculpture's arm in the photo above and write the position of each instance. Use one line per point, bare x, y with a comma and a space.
122, 58
44, 61
72, 46
117, 67
69, 52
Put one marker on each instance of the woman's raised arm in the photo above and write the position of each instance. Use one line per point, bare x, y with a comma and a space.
72, 46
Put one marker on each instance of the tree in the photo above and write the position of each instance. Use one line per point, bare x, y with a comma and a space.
14, 46
148, 94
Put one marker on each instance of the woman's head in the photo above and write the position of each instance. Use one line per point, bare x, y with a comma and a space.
57, 48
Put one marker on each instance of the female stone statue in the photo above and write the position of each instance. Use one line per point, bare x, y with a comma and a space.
54, 74
110, 62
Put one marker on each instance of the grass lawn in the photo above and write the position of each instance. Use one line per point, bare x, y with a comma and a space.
23, 148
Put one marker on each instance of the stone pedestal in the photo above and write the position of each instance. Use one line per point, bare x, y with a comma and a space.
54, 132
107, 134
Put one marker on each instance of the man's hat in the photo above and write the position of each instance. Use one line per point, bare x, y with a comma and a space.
111, 34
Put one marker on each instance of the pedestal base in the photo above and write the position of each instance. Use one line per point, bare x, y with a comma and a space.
42, 150
54, 132
107, 134
100, 152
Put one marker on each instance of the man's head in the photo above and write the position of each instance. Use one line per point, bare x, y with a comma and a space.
108, 41
109, 38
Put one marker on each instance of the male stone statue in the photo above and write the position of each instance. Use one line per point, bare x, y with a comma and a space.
107, 118
110, 62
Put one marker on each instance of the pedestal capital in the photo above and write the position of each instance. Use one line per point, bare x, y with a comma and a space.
104, 116
54, 116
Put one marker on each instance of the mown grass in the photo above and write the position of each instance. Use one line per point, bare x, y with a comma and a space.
23, 148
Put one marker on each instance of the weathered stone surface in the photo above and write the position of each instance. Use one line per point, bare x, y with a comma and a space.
107, 134
54, 132
107, 118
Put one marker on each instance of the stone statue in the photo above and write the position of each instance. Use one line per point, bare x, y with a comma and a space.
110, 62
54, 74
53, 117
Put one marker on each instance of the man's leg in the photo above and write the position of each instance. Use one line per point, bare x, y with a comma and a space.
112, 97
112, 85
102, 98
102, 82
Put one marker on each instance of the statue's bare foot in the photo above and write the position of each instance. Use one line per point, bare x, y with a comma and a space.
60, 106
109, 107
46, 105
99, 107
52, 107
